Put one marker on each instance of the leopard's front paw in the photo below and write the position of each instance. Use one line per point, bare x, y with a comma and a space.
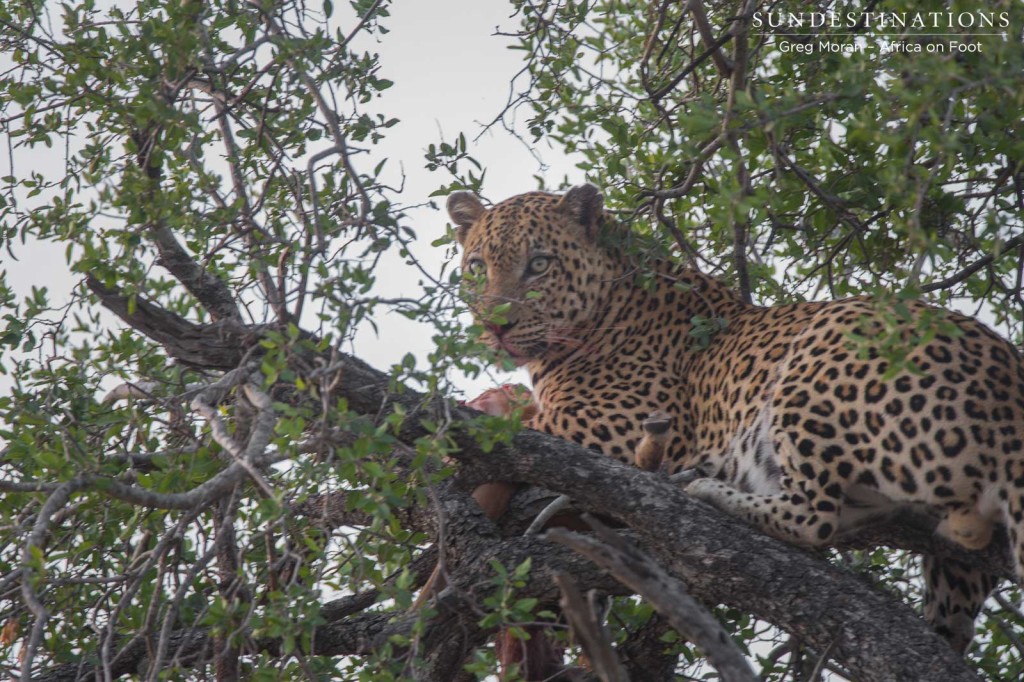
685, 477
712, 491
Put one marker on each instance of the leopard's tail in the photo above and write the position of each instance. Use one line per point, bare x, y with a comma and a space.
1013, 505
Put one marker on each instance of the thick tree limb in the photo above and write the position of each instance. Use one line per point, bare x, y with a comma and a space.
725, 561
216, 346
210, 291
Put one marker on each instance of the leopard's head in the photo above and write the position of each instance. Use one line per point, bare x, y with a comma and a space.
535, 275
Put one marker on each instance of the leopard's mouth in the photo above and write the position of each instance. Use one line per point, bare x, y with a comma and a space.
520, 352
520, 355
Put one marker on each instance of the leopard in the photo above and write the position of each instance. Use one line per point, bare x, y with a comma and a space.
798, 420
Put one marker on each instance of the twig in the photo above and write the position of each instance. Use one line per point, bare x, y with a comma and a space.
649, 46
170, 616
331, 119
658, 206
546, 514
255, 232
819, 665
711, 49
57, 499
370, 12
685, 477
694, 173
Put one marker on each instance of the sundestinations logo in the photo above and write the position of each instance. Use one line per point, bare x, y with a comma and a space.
882, 32
882, 20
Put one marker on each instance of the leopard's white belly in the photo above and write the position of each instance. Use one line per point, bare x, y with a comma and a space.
750, 461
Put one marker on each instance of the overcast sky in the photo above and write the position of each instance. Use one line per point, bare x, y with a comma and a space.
451, 74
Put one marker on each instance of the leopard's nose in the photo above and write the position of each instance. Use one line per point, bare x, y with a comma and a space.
498, 329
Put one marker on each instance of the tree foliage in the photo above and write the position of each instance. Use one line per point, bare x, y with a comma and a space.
798, 174
201, 478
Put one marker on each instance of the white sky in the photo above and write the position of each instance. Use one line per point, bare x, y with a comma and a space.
451, 74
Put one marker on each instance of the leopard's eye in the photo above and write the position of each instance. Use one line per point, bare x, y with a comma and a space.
476, 267
538, 265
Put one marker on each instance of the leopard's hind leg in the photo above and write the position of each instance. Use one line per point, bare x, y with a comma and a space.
805, 510
967, 527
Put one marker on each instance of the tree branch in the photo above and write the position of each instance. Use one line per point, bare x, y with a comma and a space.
725, 561
217, 346
961, 276
210, 291
700, 20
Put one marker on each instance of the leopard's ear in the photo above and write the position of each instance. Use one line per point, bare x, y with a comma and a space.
464, 208
585, 205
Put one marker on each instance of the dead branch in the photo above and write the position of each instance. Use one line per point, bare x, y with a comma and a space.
666, 594
588, 630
